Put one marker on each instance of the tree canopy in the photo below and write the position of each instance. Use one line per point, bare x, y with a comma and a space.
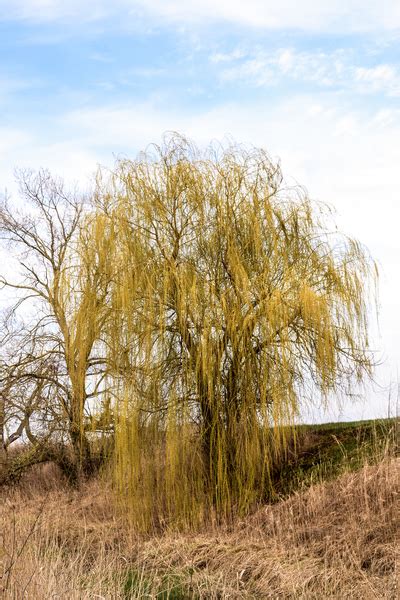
236, 301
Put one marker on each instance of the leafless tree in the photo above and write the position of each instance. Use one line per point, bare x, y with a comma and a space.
64, 299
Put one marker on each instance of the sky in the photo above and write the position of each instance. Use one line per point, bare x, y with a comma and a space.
317, 84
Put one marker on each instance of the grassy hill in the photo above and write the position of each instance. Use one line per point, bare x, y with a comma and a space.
331, 532
324, 451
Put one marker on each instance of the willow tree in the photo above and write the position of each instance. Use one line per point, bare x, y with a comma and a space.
236, 301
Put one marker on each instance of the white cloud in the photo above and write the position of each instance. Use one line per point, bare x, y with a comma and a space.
264, 68
309, 15
11, 141
42, 11
385, 78
27, 149
286, 60
222, 57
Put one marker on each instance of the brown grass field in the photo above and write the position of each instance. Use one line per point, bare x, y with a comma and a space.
331, 539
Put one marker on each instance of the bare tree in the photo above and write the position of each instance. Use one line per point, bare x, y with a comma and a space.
22, 401
63, 288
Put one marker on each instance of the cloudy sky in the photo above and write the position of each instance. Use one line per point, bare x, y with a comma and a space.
315, 83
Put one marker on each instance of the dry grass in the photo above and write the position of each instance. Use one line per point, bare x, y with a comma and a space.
334, 540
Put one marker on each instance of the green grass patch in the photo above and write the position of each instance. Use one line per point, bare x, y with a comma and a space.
323, 452
168, 587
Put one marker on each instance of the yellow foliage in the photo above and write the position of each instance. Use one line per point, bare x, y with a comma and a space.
229, 301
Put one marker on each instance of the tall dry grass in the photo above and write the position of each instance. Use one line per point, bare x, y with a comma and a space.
335, 540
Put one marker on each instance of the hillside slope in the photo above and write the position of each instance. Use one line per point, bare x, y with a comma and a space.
335, 539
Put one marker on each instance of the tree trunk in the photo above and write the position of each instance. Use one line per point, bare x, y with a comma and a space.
79, 441
211, 432
232, 415
3, 451
80, 466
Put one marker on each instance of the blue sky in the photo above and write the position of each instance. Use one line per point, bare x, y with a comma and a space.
315, 83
